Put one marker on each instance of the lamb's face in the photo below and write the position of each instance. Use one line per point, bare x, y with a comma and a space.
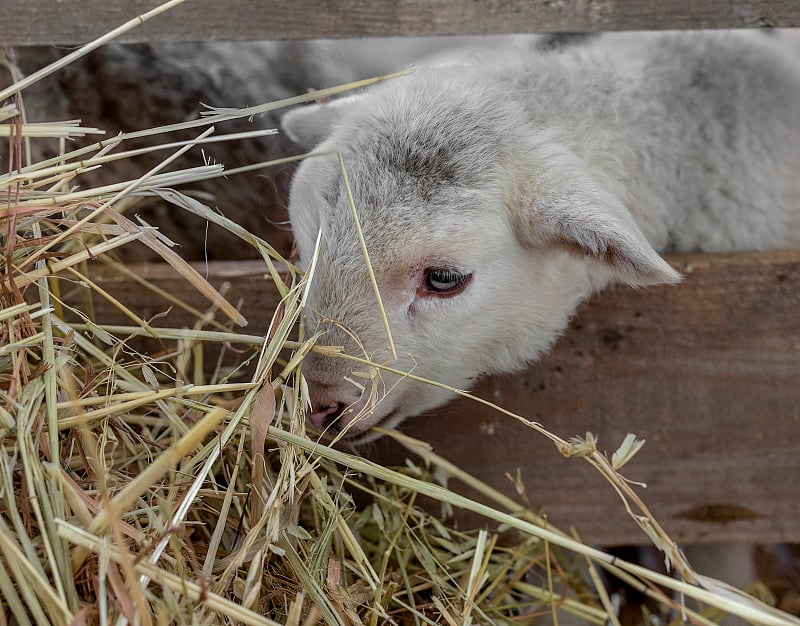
446, 262
453, 277
432, 268
446, 193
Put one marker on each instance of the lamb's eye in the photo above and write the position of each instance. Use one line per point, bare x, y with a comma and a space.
443, 281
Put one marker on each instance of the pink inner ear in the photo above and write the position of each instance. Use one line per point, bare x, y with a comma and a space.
645, 272
611, 256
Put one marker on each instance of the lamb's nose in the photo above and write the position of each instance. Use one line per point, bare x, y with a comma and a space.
326, 415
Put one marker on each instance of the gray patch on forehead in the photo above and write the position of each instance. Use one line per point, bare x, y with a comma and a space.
410, 170
427, 137
412, 158
425, 158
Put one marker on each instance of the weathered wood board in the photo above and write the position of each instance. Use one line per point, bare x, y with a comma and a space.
708, 372
49, 22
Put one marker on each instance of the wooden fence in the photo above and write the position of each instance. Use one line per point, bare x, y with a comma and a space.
69, 22
706, 371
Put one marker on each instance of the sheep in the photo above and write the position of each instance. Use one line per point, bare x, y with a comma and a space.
498, 190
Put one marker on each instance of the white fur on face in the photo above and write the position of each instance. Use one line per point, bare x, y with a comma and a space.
518, 299
543, 177
499, 322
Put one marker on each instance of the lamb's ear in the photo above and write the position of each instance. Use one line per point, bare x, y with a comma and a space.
308, 125
578, 213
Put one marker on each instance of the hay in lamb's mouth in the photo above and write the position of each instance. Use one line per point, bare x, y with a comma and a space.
369, 435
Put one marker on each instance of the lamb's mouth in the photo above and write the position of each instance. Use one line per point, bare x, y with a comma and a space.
370, 434
354, 438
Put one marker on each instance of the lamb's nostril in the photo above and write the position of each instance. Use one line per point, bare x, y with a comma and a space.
326, 415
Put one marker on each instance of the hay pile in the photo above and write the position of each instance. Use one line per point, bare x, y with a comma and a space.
142, 486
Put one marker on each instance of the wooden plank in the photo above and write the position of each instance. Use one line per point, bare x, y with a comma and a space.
48, 22
706, 371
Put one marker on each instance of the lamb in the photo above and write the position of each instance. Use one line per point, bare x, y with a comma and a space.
497, 191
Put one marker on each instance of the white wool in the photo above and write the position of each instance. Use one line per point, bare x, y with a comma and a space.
544, 175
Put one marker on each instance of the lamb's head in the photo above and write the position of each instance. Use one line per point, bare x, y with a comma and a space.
482, 239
